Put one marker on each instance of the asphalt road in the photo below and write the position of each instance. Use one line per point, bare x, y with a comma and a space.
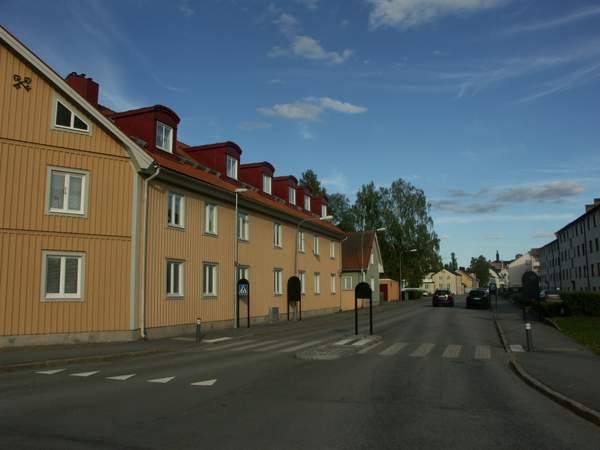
438, 378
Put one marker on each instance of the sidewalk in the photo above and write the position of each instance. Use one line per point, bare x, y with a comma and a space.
555, 360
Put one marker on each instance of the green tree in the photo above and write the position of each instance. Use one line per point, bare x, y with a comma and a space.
368, 208
481, 268
342, 211
310, 179
453, 265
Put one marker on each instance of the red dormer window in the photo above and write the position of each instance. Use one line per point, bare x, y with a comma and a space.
266, 179
292, 195
307, 202
164, 137
232, 167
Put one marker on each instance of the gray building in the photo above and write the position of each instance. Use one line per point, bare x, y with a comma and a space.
550, 266
361, 261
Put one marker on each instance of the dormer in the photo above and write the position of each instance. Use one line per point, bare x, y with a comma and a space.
156, 125
304, 197
319, 205
259, 175
285, 188
224, 157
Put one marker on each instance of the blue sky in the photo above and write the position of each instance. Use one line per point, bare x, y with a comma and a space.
491, 106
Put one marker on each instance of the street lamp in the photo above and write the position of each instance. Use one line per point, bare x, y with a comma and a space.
235, 262
412, 250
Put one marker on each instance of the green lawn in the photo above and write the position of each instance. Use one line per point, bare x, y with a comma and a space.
584, 329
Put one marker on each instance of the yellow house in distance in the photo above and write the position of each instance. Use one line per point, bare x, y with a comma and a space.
444, 279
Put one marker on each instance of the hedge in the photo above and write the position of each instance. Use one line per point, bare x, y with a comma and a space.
581, 303
549, 309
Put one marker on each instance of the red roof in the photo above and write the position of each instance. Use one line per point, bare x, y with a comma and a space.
356, 250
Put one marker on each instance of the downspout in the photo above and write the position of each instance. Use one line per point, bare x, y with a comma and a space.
145, 258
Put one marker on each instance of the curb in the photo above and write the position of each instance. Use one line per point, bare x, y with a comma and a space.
79, 359
572, 405
552, 323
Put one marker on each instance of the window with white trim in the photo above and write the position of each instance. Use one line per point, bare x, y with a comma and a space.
373, 285
209, 281
323, 210
277, 281
332, 249
232, 167
316, 245
347, 282
292, 195
243, 272
333, 284
243, 227
372, 258
301, 241
174, 278
303, 283
267, 183
317, 283
63, 275
164, 137
306, 202
175, 209
64, 117
211, 218
67, 192
277, 240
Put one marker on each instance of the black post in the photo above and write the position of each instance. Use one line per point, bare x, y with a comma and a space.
288, 307
355, 315
299, 311
198, 330
371, 315
248, 317
237, 310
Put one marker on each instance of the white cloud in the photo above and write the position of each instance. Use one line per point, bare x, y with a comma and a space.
309, 48
185, 8
556, 23
461, 220
336, 183
406, 14
310, 108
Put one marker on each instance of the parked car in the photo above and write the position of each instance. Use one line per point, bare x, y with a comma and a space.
478, 298
443, 297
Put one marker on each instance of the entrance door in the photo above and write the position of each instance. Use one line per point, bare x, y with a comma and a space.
383, 291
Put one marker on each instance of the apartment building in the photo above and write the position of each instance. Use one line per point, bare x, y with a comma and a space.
114, 229
550, 266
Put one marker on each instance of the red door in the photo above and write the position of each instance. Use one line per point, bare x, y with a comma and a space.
383, 291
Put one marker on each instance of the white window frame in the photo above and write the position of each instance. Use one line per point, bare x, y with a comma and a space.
62, 296
165, 127
278, 281
267, 181
301, 242
316, 249
317, 283
347, 279
332, 249
172, 196
333, 282
277, 235
243, 272
292, 195
211, 208
307, 202
215, 279
323, 210
72, 128
302, 283
180, 273
82, 211
372, 285
232, 167
243, 226
372, 258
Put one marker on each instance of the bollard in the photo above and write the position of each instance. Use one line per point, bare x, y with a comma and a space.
528, 336
198, 329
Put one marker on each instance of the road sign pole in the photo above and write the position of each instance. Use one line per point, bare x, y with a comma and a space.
371, 315
355, 315
248, 318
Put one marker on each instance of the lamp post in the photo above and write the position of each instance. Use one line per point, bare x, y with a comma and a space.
235, 262
412, 250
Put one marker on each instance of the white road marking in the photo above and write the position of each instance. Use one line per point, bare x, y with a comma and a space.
299, 347
369, 348
422, 350
223, 347
249, 346
393, 349
204, 383
274, 346
344, 341
221, 339
452, 351
364, 341
85, 374
483, 352
516, 348
51, 372
161, 380
121, 377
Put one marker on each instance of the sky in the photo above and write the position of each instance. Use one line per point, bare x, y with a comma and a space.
492, 107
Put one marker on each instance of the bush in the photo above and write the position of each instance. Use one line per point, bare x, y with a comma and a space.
581, 303
549, 309
414, 295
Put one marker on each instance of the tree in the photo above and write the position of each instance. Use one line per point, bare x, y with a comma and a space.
343, 214
368, 208
481, 268
310, 179
453, 265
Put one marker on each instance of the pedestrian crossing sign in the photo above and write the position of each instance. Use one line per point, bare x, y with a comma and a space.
243, 288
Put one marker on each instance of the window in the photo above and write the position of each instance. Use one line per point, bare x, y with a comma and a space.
317, 283
277, 277
209, 283
372, 284
373, 259
316, 245
277, 235
266, 184
292, 195
232, 167
175, 210
597, 245
333, 283
164, 137
63, 276
306, 202
301, 241
174, 279
303, 283
243, 227
67, 192
347, 283
332, 249
210, 218
65, 118
243, 272
323, 210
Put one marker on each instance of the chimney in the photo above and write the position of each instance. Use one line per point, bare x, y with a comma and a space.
86, 87
596, 201
589, 207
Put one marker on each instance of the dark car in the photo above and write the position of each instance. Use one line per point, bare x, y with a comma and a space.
443, 297
478, 298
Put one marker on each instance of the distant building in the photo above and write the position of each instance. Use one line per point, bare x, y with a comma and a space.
427, 284
469, 281
444, 279
521, 264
